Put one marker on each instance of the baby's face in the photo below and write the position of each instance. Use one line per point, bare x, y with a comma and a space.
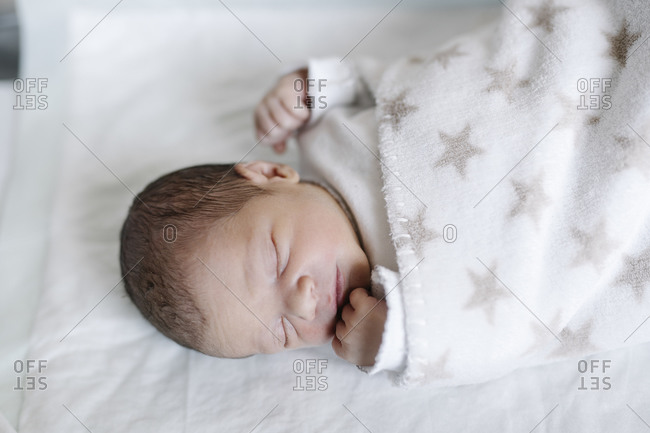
278, 272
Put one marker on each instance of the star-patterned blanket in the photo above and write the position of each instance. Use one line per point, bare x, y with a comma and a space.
516, 171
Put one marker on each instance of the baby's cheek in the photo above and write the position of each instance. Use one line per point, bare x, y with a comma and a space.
319, 334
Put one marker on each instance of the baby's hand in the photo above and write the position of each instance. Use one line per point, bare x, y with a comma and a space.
358, 334
285, 107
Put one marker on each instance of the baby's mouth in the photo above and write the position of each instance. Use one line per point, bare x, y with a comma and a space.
340, 292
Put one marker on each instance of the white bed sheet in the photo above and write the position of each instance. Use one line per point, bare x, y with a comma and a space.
7, 121
16, 336
149, 92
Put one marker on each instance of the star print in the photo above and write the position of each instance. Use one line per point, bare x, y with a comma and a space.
531, 198
397, 109
504, 80
400, 242
636, 273
438, 370
621, 42
542, 334
571, 114
443, 57
594, 246
419, 232
575, 342
487, 291
634, 155
545, 14
593, 120
458, 150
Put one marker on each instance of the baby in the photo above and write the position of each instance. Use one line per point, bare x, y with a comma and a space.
235, 260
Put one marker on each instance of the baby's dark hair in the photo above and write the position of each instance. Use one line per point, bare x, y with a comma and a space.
165, 221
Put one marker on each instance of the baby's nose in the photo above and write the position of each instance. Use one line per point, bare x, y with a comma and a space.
304, 299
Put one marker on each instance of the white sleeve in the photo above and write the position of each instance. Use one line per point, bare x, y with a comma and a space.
333, 83
392, 352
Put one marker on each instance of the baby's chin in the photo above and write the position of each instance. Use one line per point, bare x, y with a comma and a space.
318, 334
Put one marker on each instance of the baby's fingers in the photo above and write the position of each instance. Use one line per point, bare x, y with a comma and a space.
288, 117
264, 122
337, 346
347, 315
358, 297
271, 133
343, 351
342, 347
341, 330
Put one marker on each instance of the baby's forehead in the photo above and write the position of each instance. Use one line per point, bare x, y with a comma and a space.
219, 255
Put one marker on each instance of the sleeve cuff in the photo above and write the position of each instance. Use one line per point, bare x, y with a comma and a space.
331, 83
392, 352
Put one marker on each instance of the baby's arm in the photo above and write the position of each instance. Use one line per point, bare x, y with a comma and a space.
359, 332
328, 83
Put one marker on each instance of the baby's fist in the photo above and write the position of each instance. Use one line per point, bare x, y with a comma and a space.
359, 332
283, 110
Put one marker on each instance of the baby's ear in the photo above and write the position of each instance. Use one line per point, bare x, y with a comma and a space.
265, 172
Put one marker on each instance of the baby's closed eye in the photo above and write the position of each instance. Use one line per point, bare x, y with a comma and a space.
277, 257
287, 328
